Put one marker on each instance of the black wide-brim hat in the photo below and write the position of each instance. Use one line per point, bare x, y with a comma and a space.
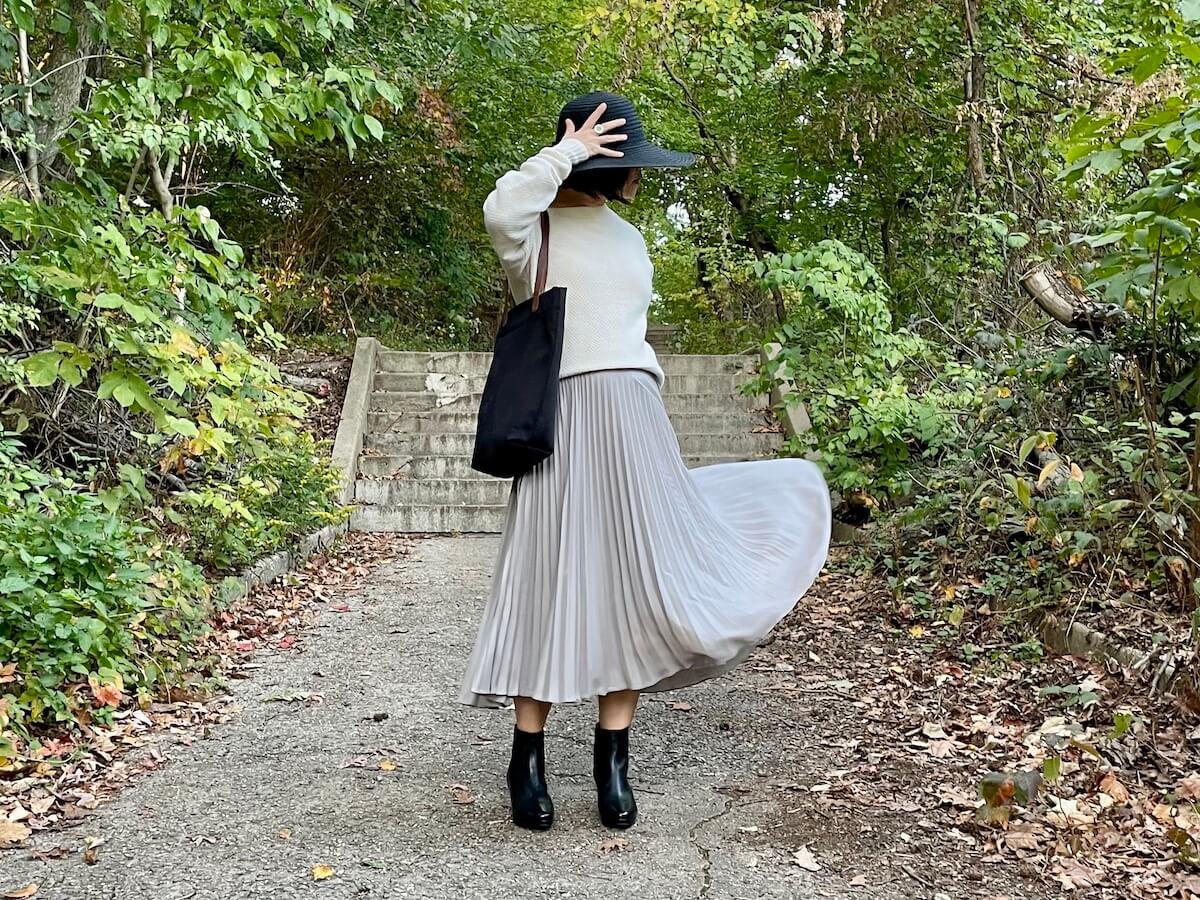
638, 151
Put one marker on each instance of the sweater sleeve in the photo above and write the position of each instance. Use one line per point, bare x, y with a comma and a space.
511, 211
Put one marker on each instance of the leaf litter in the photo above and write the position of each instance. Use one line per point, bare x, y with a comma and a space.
68, 774
979, 773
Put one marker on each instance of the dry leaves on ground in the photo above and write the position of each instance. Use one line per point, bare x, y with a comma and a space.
70, 774
983, 762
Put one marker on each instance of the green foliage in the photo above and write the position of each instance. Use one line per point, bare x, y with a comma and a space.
86, 599
854, 370
287, 490
130, 328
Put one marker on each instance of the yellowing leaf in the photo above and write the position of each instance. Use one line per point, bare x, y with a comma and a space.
22, 892
320, 873
1004, 393
1047, 470
1076, 473
951, 590
916, 631
387, 766
285, 833
955, 616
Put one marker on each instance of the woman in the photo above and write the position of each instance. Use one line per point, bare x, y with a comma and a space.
620, 571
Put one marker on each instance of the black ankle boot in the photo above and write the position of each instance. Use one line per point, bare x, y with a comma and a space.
610, 768
531, 804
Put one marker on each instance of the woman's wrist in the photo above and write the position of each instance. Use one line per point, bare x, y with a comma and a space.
573, 149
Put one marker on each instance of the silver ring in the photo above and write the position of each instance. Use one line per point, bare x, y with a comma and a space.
598, 128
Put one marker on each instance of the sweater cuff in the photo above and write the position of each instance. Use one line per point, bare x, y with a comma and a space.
572, 150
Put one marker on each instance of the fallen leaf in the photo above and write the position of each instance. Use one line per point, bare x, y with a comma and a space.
91, 856
858, 881
387, 766
320, 873
50, 853
285, 834
1112, 786
110, 694
613, 845
340, 607
1022, 840
941, 749
22, 892
681, 706
803, 857
916, 631
1189, 788
461, 794
12, 833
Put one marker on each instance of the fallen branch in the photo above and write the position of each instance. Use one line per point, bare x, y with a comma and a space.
1066, 303
318, 387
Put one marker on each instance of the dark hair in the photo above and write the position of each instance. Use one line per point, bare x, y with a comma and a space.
605, 184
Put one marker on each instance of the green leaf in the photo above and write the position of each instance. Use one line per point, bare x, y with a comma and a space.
1151, 62
374, 126
1023, 492
1105, 162
41, 369
1052, 768
1027, 446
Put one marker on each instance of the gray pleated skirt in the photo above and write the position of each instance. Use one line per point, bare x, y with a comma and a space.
621, 569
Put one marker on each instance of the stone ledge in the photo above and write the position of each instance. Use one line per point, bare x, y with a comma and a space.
348, 443
267, 569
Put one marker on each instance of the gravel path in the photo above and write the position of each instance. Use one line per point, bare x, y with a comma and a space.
707, 764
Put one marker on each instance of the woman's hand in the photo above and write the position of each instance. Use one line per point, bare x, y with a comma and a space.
597, 143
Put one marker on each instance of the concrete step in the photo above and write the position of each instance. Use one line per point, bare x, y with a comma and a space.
463, 443
461, 363
423, 468
478, 491
424, 401
442, 421
722, 384
428, 519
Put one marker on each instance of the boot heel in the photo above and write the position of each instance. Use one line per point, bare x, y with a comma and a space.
532, 807
610, 768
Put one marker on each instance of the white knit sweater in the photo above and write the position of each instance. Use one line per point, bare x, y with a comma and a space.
595, 254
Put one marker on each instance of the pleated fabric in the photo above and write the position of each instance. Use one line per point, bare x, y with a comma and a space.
620, 569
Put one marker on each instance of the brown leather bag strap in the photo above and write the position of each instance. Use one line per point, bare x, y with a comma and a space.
543, 262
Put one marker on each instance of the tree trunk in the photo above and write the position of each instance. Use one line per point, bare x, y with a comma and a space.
1065, 303
65, 70
32, 164
973, 92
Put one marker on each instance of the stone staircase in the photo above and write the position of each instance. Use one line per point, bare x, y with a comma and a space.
416, 429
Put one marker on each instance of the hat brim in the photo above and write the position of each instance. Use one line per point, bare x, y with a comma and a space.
643, 156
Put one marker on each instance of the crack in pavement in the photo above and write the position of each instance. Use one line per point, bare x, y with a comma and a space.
705, 852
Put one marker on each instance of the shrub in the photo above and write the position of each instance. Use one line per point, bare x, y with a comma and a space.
287, 489
855, 371
91, 605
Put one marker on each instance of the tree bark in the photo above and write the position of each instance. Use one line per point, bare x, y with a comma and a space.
1065, 303
65, 70
973, 93
32, 161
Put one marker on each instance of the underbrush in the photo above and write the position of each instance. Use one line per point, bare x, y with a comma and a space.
1002, 478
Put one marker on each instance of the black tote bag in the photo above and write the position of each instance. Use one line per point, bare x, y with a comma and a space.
515, 431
